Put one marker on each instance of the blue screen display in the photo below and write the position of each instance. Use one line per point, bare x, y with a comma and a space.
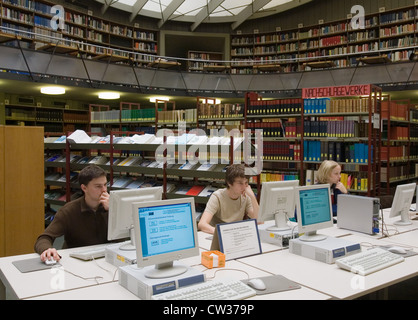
315, 206
166, 228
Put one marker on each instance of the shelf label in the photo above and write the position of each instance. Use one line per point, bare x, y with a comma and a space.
341, 91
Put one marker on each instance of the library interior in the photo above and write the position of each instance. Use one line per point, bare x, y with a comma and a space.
196, 149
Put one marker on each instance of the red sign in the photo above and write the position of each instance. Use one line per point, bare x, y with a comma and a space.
341, 91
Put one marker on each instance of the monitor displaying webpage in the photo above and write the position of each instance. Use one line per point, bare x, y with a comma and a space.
166, 228
314, 206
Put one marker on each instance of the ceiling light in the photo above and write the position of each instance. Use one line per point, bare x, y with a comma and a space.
52, 90
153, 99
109, 95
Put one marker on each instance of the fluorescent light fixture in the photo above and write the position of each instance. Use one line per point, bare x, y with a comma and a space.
211, 101
52, 90
109, 95
153, 99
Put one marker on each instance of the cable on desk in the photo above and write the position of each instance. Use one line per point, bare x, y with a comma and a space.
227, 269
101, 267
95, 278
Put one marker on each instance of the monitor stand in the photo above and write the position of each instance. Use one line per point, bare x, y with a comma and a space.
312, 237
281, 222
165, 270
129, 246
405, 221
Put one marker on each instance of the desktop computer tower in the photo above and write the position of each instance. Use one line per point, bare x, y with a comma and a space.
327, 250
279, 238
133, 279
358, 213
118, 257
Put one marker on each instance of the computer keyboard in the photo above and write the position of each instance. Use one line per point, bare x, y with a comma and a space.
369, 261
89, 254
211, 290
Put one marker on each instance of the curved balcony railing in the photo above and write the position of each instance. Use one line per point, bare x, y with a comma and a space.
52, 65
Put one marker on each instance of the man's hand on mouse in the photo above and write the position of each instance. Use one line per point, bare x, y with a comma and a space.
49, 254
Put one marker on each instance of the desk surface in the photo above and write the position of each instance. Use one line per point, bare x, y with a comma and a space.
318, 280
31, 284
329, 278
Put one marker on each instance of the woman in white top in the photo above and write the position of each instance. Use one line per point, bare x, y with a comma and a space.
234, 203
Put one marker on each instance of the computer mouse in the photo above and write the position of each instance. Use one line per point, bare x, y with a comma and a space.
398, 250
257, 284
50, 262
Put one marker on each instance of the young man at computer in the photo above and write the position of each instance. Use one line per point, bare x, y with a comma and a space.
330, 172
233, 203
83, 221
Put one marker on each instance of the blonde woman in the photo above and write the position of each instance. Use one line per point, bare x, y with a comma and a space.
330, 172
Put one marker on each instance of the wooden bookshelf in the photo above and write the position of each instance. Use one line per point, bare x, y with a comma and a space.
94, 36
205, 61
53, 119
21, 190
393, 32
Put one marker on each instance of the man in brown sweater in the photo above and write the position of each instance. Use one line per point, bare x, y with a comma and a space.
83, 221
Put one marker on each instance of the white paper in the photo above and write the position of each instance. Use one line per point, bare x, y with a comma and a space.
239, 239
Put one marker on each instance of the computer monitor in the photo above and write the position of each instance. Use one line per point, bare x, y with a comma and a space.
314, 211
165, 231
121, 224
277, 202
402, 203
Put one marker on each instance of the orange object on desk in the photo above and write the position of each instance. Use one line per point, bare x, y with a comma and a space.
213, 259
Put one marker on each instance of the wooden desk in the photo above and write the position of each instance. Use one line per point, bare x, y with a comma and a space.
320, 64
375, 60
268, 67
5, 37
216, 68
164, 64
58, 48
112, 57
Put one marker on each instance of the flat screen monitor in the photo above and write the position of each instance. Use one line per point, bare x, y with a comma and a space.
402, 203
277, 202
121, 224
314, 211
165, 231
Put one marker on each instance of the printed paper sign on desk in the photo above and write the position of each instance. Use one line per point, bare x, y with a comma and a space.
239, 239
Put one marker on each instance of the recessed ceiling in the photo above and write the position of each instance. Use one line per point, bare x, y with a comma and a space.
202, 11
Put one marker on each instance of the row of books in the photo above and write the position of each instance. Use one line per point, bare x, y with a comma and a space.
270, 129
273, 107
399, 133
395, 173
227, 110
393, 153
318, 151
281, 150
137, 115
397, 111
352, 181
174, 116
269, 176
326, 105
334, 128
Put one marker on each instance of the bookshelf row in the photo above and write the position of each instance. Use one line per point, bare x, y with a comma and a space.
84, 33
393, 33
51, 118
296, 141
